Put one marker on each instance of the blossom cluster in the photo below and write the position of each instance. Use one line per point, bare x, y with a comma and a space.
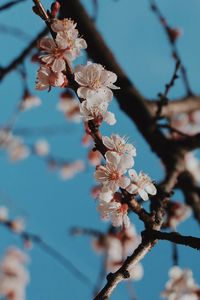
13, 145
116, 246
58, 53
113, 176
181, 285
13, 275
94, 89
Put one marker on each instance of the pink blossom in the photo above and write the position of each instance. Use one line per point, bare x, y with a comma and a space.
111, 176
141, 184
47, 78
95, 81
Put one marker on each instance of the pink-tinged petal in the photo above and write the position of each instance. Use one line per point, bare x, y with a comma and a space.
58, 65
114, 87
130, 149
105, 93
100, 174
123, 182
108, 142
112, 185
143, 194
150, 189
175, 272
80, 78
117, 220
106, 196
133, 175
126, 162
126, 221
47, 44
84, 92
136, 272
132, 188
112, 157
109, 118
81, 43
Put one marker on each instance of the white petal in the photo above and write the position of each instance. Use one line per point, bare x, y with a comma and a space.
109, 118
124, 182
112, 157
151, 189
143, 194
132, 188
133, 174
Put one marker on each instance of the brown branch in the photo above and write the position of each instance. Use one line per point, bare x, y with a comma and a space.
19, 59
172, 40
113, 279
177, 106
175, 237
164, 97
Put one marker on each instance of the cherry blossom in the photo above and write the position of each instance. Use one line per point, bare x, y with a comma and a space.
112, 174
114, 211
68, 104
13, 275
95, 81
47, 78
94, 157
63, 25
94, 108
66, 47
141, 184
181, 285
119, 144
176, 213
18, 151
29, 101
42, 147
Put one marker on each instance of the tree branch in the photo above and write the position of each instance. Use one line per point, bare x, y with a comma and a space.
177, 106
175, 237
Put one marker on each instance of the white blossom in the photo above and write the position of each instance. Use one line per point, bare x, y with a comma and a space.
181, 285
94, 108
141, 184
42, 147
94, 80
111, 176
29, 102
69, 105
63, 25
13, 275
119, 144
114, 211
47, 78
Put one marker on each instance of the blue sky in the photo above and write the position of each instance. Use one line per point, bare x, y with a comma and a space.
52, 206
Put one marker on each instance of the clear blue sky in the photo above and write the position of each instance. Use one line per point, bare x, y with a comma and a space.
52, 206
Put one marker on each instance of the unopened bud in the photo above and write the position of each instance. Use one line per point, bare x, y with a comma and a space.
55, 9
